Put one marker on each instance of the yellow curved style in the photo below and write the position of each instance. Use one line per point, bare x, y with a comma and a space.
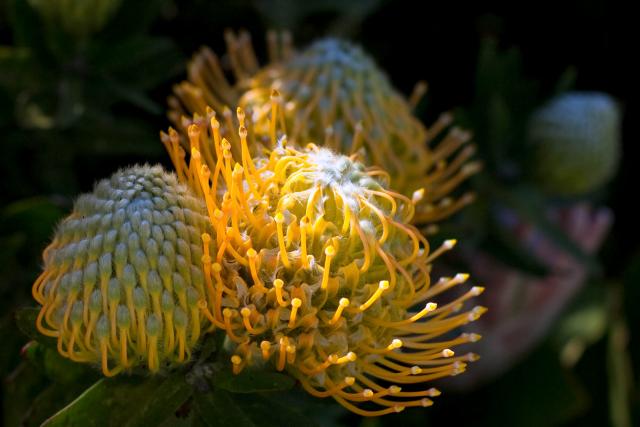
338, 98
318, 270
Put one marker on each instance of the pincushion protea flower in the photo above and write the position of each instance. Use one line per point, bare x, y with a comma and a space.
123, 276
342, 100
318, 270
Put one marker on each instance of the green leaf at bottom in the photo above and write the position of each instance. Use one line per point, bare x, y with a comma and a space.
124, 402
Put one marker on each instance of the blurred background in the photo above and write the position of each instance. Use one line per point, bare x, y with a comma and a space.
83, 88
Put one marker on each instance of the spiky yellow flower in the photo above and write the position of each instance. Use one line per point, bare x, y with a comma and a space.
123, 276
319, 271
340, 99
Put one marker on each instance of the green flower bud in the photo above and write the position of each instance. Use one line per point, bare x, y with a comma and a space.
115, 250
575, 140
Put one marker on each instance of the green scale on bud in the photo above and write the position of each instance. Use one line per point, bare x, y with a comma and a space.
123, 276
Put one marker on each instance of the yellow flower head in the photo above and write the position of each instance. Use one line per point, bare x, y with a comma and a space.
339, 99
123, 276
318, 270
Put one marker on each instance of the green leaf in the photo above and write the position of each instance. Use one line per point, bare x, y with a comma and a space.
252, 381
26, 321
567, 80
619, 366
272, 410
124, 402
56, 367
141, 62
218, 408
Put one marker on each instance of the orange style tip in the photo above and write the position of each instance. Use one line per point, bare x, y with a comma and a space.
236, 360
278, 283
449, 244
216, 267
251, 253
202, 304
384, 284
394, 389
433, 392
417, 195
395, 343
242, 132
237, 169
477, 290
291, 349
472, 357
344, 302
426, 402
208, 111
265, 345
431, 306
227, 312
193, 130
206, 259
398, 408
279, 218
245, 312
367, 393
218, 214
447, 352
215, 124
351, 356
473, 337
471, 168
296, 302
206, 238
349, 381
415, 370
330, 251
461, 277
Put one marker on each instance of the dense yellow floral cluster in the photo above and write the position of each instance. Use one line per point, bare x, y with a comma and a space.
303, 254
123, 276
338, 98
318, 268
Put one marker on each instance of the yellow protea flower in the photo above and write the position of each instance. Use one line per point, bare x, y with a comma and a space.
318, 270
123, 276
340, 99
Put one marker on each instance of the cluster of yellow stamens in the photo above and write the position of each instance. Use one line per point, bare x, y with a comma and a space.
122, 283
318, 269
341, 100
